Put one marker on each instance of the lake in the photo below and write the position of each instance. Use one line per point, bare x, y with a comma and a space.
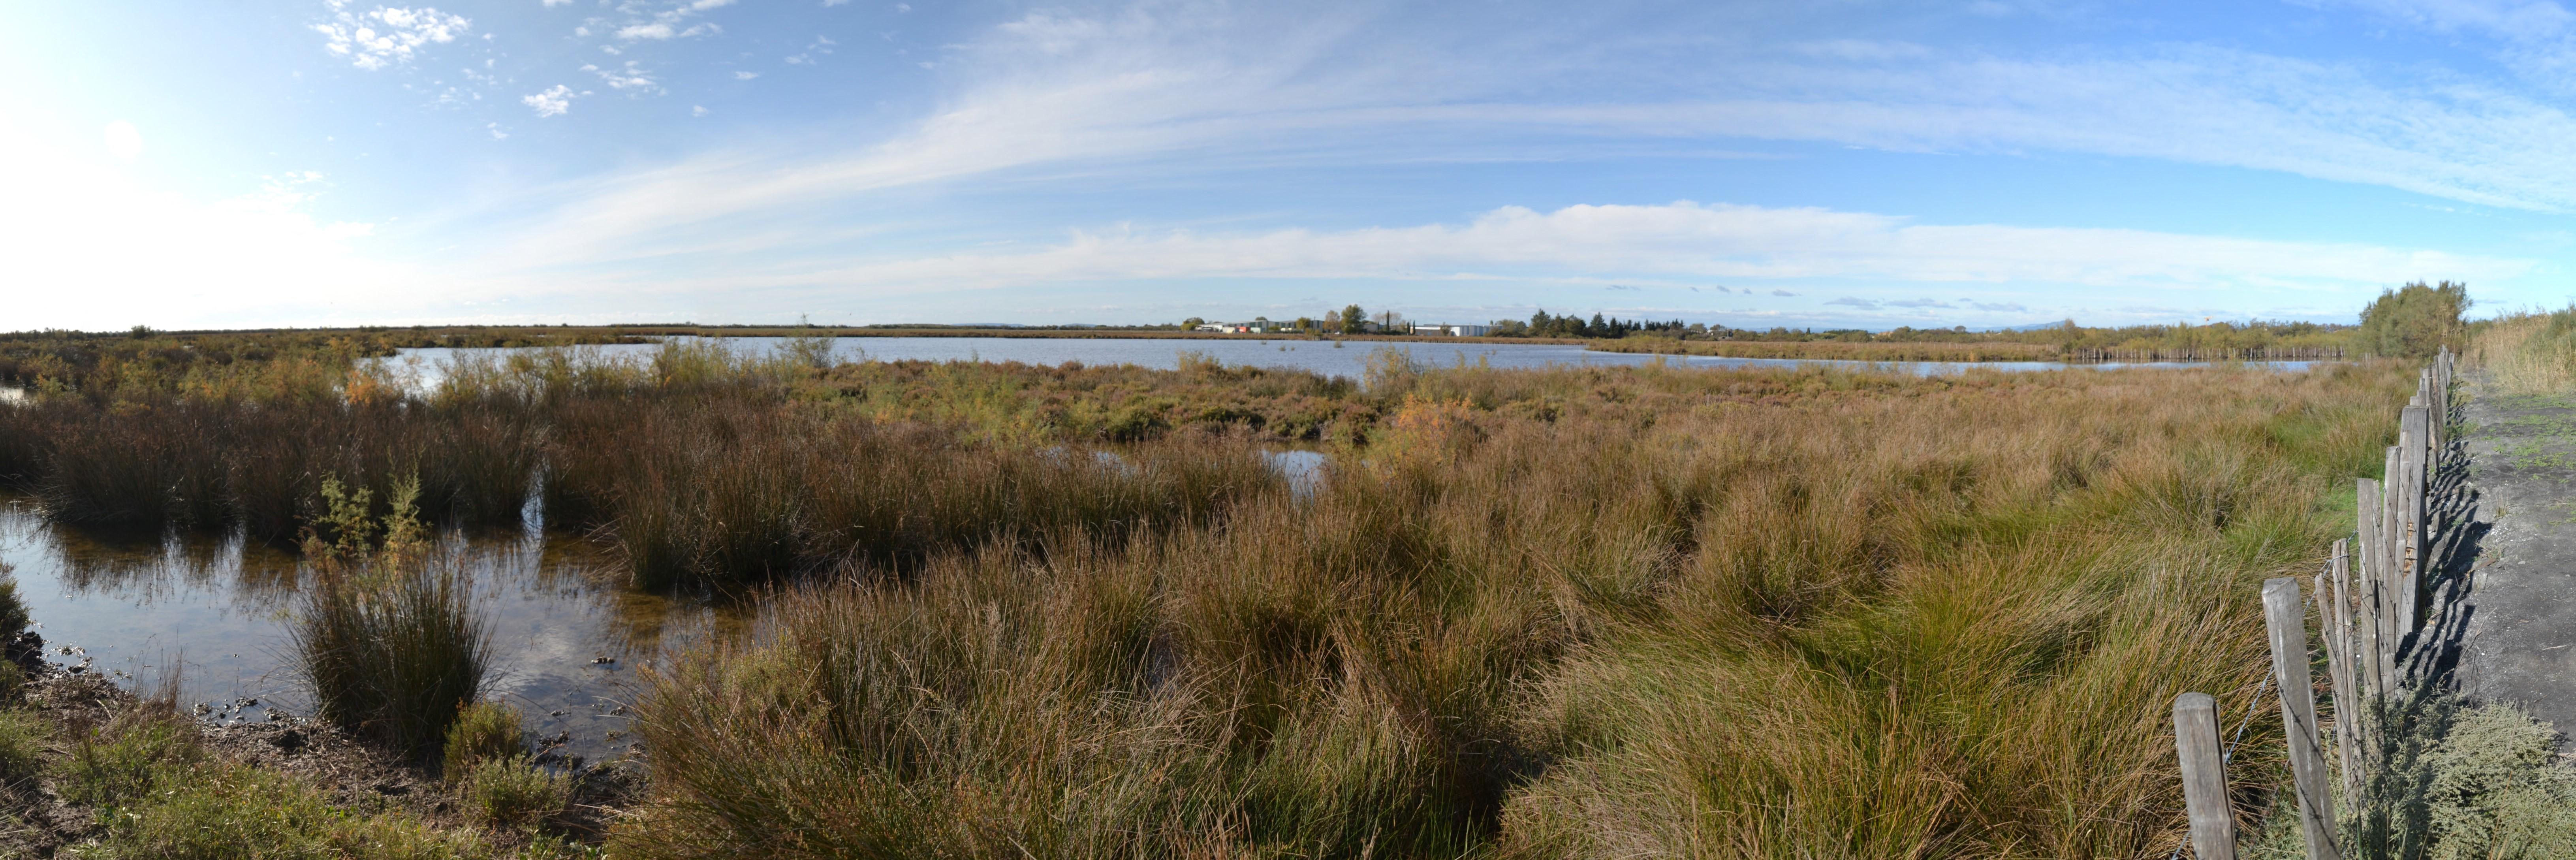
1331, 358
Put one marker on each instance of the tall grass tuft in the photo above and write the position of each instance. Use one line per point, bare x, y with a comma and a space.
388, 639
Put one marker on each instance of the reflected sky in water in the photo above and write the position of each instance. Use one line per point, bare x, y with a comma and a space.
1321, 356
131, 609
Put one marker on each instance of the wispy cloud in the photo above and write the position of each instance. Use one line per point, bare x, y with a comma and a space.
1191, 84
630, 76
1675, 243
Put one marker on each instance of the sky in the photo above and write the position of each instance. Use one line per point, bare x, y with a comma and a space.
1826, 163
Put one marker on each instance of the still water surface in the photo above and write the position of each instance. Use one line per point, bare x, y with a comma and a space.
1330, 358
566, 636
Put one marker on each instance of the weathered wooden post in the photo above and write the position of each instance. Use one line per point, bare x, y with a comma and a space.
2392, 547
2204, 777
2377, 673
2286, 615
2411, 435
2333, 591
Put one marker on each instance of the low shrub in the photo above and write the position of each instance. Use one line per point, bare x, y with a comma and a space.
509, 792
483, 731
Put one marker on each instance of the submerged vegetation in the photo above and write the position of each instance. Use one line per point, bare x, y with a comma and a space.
1073, 611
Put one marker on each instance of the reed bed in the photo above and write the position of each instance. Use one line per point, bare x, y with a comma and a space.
1828, 350
1599, 612
2529, 353
754, 493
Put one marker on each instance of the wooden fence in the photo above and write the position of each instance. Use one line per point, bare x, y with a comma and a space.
2369, 606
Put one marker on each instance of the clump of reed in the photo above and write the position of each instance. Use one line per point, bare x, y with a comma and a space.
387, 636
748, 493
1582, 612
2533, 353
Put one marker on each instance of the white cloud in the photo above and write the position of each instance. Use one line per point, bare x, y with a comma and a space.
553, 102
554, 3
698, 110
745, 76
495, 129
387, 36
646, 31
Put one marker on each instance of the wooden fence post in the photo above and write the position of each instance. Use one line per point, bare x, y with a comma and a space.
2285, 614
2334, 589
2412, 511
2378, 675
2392, 561
2204, 777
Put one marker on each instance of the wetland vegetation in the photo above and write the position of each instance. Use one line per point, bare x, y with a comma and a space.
1070, 611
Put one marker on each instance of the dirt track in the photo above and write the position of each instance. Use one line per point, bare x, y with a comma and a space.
2515, 621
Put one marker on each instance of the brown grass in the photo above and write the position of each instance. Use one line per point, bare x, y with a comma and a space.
1583, 612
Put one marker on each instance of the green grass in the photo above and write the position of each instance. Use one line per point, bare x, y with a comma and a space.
507, 791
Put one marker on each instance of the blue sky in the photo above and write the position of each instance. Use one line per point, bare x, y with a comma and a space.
1821, 163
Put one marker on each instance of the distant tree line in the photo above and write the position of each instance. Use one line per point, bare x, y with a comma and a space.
1544, 324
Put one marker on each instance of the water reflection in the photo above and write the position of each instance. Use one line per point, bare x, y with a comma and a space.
1303, 469
1327, 357
568, 637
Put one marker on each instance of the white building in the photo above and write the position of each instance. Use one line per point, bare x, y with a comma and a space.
1453, 330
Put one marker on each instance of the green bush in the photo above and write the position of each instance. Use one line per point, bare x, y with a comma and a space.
509, 792
2414, 321
484, 730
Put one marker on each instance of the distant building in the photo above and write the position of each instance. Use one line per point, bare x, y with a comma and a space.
1453, 330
